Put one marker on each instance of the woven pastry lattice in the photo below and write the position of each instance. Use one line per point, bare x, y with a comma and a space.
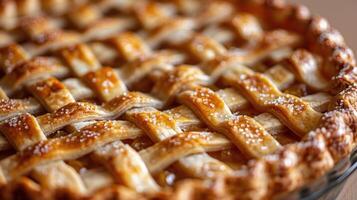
170, 99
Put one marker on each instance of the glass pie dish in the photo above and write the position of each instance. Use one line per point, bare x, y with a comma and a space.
329, 186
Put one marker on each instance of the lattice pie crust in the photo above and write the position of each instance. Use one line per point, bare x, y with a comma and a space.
182, 99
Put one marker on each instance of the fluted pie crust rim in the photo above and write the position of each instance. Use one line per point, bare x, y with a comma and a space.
320, 149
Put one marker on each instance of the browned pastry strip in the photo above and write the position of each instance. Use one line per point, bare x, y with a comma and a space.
3, 95
177, 80
47, 89
80, 59
5, 38
12, 107
8, 15
127, 166
33, 27
95, 179
78, 89
69, 114
160, 127
105, 53
51, 93
23, 131
243, 131
262, 93
151, 14
215, 12
67, 147
10, 56
52, 40
204, 102
213, 111
43, 32
156, 124
130, 46
106, 27
234, 101
219, 62
189, 119
78, 112
83, 62
186, 118
247, 27
272, 41
36, 68
307, 69
205, 48
137, 69
280, 76
162, 154
106, 83
176, 31
83, 15
115, 127
187, 77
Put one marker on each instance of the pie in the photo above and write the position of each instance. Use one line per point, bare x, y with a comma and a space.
182, 99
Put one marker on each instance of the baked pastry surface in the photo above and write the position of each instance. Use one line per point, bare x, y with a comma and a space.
183, 99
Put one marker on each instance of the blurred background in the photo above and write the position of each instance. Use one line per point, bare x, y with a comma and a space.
342, 15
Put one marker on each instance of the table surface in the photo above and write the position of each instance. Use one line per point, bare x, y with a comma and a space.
340, 15
348, 192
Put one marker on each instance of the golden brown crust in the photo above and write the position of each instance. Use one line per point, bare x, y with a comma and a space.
289, 168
